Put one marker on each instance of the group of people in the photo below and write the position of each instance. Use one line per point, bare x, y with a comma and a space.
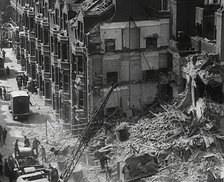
53, 171
3, 93
3, 135
7, 167
22, 80
35, 146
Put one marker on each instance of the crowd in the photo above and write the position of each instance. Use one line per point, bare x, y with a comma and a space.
21, 80
35, 146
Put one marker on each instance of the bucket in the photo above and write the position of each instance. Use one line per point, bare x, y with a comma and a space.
123, 134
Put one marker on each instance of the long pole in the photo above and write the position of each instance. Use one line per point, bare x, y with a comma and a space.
46, 130
129, 52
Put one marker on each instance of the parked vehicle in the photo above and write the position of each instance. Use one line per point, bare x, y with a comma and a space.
27, 166
19, 104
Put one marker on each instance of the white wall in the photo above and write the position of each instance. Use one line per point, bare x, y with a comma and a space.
143, 93
150, 60
147, 28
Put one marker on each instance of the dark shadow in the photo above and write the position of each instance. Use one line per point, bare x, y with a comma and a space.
35, 118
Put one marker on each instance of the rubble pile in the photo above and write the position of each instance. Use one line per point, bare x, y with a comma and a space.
160, 128
56, 138
187, 137
187, 149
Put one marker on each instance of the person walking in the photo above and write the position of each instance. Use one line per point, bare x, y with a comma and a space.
16, 148
19, 82
1, 92
6, 168
3, 53
43, 154
7, 71
36, 143
50, 169
4, 93
26, 142
4, 135
11, 162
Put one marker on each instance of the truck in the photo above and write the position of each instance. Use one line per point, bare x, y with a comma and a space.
19, 104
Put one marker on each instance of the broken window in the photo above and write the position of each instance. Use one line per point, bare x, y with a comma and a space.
112, 77
151, 42
109, 45
149, 75
81, 99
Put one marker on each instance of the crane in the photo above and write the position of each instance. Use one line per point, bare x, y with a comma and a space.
94, 125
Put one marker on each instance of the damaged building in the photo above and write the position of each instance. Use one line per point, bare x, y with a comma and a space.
76, 49
131, 52
168, 67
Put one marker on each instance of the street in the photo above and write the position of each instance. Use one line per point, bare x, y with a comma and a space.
34, 126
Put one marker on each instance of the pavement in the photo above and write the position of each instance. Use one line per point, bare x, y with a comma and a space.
15, 128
